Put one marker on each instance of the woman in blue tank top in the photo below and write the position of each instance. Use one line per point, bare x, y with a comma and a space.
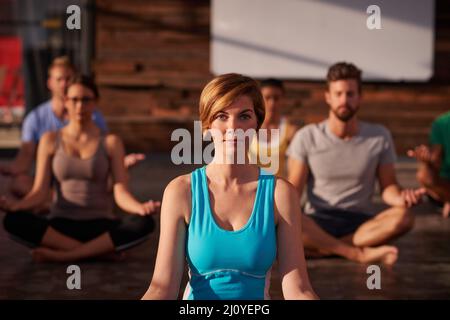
230, 219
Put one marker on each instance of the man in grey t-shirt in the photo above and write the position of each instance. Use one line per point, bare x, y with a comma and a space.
340, 160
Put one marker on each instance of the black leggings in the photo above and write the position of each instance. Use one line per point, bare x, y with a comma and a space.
29, 229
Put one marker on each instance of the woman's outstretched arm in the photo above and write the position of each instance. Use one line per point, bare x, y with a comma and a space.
41, 185
123, 197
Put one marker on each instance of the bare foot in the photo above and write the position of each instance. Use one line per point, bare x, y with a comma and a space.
42, 254
446, 210
385, 254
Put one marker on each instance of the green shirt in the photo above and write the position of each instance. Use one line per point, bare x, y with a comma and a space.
440, 134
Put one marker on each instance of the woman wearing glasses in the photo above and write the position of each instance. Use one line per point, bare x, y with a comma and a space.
79, 159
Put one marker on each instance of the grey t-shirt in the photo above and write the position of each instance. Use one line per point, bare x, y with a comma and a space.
342, 173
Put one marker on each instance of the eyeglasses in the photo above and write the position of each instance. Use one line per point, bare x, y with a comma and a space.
83, 100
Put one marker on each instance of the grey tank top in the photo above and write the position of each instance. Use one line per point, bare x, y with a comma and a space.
81, 185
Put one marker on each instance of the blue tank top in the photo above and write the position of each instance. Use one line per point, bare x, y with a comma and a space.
230, 265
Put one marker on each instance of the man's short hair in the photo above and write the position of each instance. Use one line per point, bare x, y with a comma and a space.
61, 61
272, 82
344, 71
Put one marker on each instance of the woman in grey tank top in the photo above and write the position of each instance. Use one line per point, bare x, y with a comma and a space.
79, 160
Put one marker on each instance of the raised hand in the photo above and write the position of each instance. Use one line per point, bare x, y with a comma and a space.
133, 158
412, 197
421, 153
149, 207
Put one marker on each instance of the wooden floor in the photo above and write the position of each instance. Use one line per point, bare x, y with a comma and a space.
422, 271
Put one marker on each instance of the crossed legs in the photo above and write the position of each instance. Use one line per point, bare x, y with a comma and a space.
366, 244
78, 239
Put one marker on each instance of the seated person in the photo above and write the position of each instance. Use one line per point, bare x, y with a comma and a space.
273, 93
230, 220
79, 158
339, 160
434, 164
48, 116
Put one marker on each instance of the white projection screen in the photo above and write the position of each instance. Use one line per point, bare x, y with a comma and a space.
300, 39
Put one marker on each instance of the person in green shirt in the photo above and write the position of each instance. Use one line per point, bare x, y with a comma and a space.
434, 163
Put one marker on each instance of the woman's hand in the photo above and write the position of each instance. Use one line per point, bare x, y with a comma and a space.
7, 203
132, 159
149, 207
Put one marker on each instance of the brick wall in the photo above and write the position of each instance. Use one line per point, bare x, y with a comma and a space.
152, 61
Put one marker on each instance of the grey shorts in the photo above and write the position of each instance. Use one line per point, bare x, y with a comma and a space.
339, 223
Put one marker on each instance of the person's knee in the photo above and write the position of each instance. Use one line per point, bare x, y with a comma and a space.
405, 221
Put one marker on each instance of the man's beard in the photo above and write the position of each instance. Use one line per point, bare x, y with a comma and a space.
347, 115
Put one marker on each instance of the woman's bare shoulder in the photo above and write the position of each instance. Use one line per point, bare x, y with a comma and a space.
283, 188
112, 140
48, 141
177, 197
292, 128
286, 198
180, 185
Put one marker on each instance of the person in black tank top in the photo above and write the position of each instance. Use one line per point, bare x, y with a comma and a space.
79, 160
